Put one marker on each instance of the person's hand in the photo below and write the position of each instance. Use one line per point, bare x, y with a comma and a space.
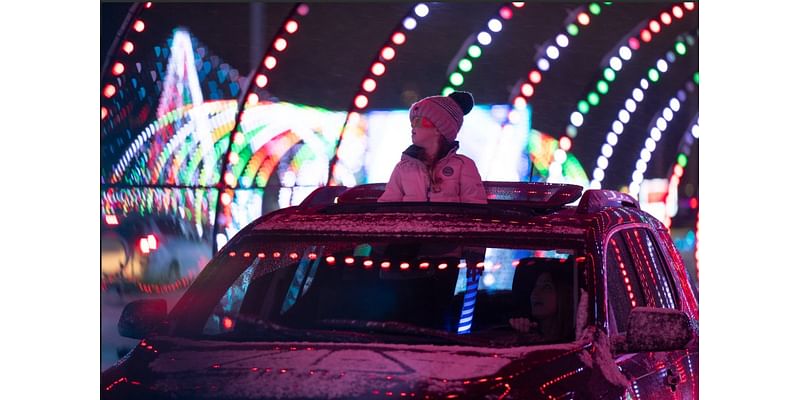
522, 324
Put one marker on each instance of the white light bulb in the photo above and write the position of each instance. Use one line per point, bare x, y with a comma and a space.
607, 150
638, 95
624, 116
655, 133
552, 52
661, 124
630, 105
484, 38
602, 162
576, 118
543, 64
667, 114
421, 10
495, 25
615, 63
562, 40
650, 144
625, 53
661, 65
611, 138
617, 127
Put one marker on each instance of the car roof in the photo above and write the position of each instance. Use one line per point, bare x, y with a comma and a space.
513, 209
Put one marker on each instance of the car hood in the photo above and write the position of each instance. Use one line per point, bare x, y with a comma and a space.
181, 368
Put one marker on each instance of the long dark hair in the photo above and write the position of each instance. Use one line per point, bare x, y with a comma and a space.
526, 275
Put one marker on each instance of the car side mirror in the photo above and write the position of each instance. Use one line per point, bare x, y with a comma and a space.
143, 317
655, 329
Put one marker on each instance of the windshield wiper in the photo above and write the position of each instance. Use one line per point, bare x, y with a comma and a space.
394, 327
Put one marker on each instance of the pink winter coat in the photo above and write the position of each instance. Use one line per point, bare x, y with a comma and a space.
455, 179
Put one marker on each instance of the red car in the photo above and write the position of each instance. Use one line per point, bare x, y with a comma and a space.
526, 297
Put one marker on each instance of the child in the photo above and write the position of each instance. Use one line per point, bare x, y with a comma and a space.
430, 169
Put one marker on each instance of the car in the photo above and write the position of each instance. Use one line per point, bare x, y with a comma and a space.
153, 249
546, 292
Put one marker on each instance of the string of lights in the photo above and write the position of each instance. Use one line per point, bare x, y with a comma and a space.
369, 82
657, 127
462, 63
653, 76
614, 61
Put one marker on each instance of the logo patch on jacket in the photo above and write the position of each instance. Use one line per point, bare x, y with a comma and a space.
447, 171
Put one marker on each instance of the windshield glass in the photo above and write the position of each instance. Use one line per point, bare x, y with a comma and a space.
389, 290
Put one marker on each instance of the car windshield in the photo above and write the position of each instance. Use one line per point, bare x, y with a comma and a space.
387, 290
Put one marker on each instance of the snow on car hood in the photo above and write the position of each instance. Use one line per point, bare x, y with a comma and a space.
328, 370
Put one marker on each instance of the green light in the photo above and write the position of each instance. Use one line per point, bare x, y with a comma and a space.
653, 75
474, 51
447, 90
572, 29
456, 78
594, 8
465, 65
593, 98
697, 78
682, 160
583, 106
680, 48
609, 74
602, 87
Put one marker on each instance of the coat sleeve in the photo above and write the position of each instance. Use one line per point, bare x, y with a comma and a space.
471, 190
393, 191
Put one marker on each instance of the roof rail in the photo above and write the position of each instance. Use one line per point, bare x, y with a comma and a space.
596, 199
367, 193
532, 194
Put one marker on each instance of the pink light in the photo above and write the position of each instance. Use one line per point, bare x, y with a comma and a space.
693, 203
138, 26
302, 9
387, 53
361, 101
633, 43
127, 47
655, 26
527, 89
232, 254
666, 19
230, 180
405, 265
369, 85
293, 256
677, 12
535, 76
280, 44
442, 266
103, 112
291, 26
378, 68
398, 38
583, 19
276, 254
227, 323
385, 264
246, 254
252, 99
148, 4
689, 5
565, 143
678, 170
261, 80
506, 13
349, 260
270, 62
226, 199
118, 69
646, 35
262, 255
109, 91
143, 246
424, 265
312, 256
330, 260
112, 219
518, 4
368, 263
520, 102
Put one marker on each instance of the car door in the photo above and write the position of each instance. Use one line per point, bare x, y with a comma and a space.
636, 276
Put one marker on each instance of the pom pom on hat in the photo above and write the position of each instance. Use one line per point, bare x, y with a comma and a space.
446, 112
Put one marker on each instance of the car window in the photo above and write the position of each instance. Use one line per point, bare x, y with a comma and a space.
655, 278
409, 290
624, 290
